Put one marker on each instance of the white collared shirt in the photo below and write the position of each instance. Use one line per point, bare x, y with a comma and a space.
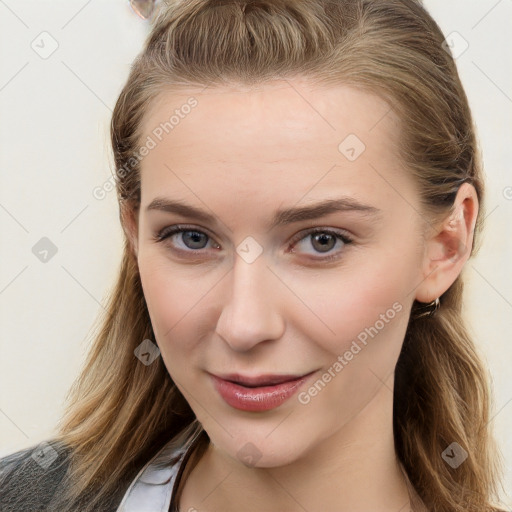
154, 487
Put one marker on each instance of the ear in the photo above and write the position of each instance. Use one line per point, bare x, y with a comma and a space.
129, 214
449, 245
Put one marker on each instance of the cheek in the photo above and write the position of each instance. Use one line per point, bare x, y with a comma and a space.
367, 316
369, 296
161, 294
176, 298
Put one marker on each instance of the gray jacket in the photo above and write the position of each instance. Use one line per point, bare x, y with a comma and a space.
30, 479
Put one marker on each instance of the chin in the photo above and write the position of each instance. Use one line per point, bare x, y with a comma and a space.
261, 451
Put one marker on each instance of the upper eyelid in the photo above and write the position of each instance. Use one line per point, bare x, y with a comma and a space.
180, 228
321, 229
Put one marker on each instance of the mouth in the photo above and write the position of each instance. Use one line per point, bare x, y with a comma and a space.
260, 392
260, 380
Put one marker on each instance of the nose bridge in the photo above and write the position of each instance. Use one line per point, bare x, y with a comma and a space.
250, 313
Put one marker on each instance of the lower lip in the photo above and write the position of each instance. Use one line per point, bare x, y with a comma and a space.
258, 399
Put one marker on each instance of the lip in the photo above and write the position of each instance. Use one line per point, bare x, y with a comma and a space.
257, 393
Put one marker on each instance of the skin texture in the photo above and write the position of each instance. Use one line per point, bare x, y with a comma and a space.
242, 154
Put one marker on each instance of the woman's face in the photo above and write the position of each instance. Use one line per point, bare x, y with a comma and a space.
246, 291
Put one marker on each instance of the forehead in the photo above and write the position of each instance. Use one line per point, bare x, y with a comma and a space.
287, 133
296, 110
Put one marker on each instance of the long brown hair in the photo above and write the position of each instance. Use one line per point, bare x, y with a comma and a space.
120, 411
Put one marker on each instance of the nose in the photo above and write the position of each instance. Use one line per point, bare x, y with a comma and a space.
251, 314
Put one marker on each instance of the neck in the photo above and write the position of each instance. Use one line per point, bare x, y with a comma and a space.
354, 470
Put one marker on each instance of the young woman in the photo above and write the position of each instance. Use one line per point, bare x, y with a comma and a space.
300, 188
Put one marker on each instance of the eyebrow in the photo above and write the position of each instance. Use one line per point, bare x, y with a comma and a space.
282, 217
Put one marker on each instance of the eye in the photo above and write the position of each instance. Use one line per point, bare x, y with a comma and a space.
185, 238
322, 241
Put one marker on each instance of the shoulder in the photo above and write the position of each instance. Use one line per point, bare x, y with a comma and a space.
30, 477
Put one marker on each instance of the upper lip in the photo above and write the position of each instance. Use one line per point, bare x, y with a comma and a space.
260, 380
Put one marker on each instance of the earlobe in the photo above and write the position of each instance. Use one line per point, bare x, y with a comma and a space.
449, 246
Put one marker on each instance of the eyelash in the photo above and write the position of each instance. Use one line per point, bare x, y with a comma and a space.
167, 232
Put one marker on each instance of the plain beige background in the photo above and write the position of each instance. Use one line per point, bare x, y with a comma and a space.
62, 65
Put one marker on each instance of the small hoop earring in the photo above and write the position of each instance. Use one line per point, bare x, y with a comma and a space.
427, 309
